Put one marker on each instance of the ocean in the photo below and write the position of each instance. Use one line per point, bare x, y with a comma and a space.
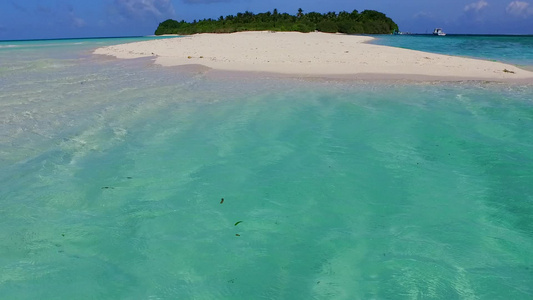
121, 179
512, 49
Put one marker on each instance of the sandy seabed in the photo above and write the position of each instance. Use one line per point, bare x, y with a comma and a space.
313, 54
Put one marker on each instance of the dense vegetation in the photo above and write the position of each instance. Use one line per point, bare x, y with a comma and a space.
366, 22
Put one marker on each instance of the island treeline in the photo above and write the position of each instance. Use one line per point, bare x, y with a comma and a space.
366, 22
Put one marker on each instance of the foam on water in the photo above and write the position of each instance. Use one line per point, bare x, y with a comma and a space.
112, 174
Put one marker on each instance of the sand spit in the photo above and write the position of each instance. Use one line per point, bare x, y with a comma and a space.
313, 54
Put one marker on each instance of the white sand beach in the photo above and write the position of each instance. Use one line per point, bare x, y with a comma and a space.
313, 54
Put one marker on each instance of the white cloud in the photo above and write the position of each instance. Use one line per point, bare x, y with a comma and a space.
519, 8
77, 22
422, 14
145, 8
476, 6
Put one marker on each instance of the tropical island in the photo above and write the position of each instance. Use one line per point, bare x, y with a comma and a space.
276, 43
366, 22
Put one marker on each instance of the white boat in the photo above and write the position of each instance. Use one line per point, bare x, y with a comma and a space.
439, 32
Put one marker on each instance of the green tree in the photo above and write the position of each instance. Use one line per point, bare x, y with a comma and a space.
327, 26
368, 21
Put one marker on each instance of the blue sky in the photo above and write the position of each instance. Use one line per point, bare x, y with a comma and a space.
33, 19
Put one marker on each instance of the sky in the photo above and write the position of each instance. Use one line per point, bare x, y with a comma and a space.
45, 19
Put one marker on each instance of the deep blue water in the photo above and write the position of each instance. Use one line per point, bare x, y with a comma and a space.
112, 174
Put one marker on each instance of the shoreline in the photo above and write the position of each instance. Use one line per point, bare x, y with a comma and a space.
314, 54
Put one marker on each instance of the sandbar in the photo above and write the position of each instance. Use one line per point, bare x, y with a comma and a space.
313, 54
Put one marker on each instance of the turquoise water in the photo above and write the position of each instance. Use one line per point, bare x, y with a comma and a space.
113, 171
15, 51
514, 49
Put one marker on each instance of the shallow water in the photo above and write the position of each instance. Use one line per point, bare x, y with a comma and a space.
112, 176
513, 49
